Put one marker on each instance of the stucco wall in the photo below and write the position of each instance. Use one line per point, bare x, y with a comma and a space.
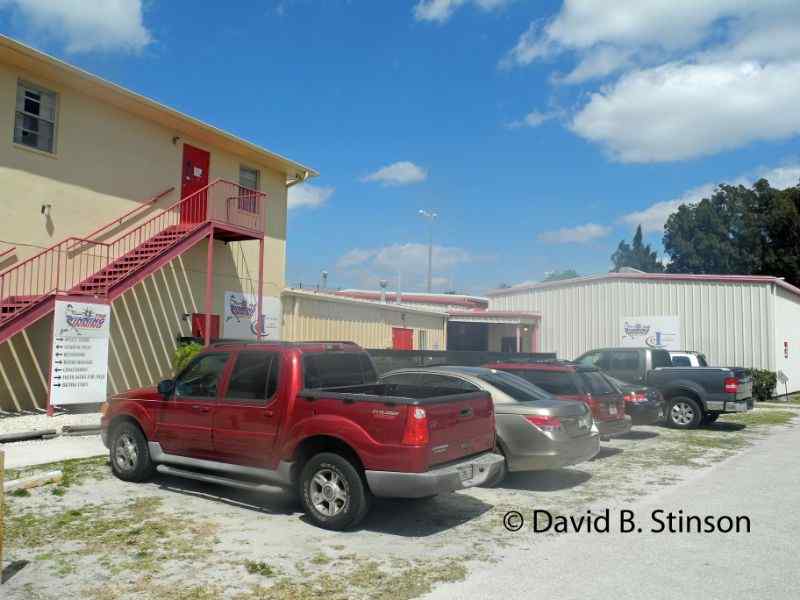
310, 317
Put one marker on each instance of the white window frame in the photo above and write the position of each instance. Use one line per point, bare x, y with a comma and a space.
19, 110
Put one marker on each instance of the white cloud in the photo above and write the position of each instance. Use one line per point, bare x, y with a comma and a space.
305, 194
410, 261
399, 173
681, 111
99, 26
439, 11
533, 119
601, 62
575, 235
653, 218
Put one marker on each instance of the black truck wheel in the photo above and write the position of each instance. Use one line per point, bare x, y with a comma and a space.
684, 413
130, 457
709, 418
333, 492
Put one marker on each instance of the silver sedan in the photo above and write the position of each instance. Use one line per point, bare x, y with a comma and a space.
535, 431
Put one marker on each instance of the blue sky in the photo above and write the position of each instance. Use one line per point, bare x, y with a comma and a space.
541, 132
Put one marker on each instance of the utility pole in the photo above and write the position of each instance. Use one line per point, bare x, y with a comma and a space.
431, 215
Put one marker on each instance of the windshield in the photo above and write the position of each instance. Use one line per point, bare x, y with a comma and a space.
515, 387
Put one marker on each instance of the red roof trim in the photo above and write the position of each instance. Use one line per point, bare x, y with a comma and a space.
755, 279
444, 299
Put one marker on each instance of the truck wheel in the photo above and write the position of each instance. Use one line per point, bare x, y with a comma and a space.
332, 492
130, 457
684, 413
709, 418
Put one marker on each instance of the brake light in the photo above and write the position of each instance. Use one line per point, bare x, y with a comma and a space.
416, 431
635, 397
731, 385
545, 423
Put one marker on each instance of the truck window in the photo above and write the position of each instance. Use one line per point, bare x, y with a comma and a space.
560, 383
201, 378
254, 377
661, 358
596, 384
701, 360
680, 361
337, 369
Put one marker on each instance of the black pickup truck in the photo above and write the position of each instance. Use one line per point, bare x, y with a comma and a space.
694, 395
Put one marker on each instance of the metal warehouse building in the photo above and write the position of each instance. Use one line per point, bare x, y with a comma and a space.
749, 321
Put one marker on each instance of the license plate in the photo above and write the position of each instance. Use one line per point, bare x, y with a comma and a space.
612, 410
466, 472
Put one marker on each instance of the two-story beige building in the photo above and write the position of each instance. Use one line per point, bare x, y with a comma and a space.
92, 178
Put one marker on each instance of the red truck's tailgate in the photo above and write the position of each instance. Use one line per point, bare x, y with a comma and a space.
459, 427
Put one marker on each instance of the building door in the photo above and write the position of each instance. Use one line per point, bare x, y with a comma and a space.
402, 338
199, 326
194, 177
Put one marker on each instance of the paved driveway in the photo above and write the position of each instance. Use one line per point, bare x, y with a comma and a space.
763, 483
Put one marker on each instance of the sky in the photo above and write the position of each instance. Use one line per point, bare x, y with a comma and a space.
540, 132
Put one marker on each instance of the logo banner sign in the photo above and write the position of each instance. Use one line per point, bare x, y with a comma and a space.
79, 360
652, 332
240, 316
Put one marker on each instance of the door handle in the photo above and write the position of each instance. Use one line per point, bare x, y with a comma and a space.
269, 413
200, 408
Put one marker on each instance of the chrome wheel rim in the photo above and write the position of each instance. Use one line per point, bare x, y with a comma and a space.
126, 454
682, 413
328, 492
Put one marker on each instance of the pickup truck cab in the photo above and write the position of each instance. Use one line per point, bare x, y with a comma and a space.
694, 395
310, 416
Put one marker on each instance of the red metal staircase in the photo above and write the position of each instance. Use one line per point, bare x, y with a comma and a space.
97, 269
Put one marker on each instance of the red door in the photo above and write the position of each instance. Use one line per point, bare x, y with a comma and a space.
199, 326
402, 338
194, 178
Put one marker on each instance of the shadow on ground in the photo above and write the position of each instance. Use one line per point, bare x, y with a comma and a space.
12, 569
545, 481
607, 452
724, 426
638, 435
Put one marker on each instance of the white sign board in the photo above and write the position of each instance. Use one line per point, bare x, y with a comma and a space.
240, 316
79, 360
652, 332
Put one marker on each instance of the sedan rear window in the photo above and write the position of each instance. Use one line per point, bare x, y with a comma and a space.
515, 387
596, 384
337, 369
560, 383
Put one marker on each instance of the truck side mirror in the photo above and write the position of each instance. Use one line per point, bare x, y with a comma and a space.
166, 388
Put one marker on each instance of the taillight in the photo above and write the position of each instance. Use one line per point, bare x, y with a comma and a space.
636, 397
416, 432
545, 423
731, 385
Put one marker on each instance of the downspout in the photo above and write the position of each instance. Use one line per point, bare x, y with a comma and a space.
298, 179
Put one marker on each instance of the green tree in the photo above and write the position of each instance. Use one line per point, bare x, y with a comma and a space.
636, 255
559, 275
738, 230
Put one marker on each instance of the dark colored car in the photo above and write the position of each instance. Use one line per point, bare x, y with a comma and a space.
309, 416
643, 404
694, 395
570, 381
535, 431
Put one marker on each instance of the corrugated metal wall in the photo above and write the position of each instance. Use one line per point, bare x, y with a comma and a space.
369, 324
787, 329
731, 322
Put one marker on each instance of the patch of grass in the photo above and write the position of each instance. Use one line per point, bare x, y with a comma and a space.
761, 417
58, 491
260, 568
75, 471
319, 559
20, 493
721, 442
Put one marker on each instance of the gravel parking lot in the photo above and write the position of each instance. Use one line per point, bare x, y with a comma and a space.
97, 537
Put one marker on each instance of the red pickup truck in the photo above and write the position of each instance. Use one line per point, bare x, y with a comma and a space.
310, 416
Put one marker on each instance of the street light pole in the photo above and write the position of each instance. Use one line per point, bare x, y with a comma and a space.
430, 215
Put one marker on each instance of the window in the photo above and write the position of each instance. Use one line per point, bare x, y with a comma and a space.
201, 378
701, 360
590, 359
248, 178
596, 384
338, 369
515, 387
444, 385
681, 361
254, 377
35, 121
560, 383
661, 359
626, 361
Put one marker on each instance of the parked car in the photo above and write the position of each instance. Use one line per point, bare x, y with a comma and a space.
569, 381
644, 404
310, 416
694, 395
534, 430
689, 358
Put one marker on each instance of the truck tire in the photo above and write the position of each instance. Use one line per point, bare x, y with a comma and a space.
130, 456
709, 418
684, 413
332, 492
